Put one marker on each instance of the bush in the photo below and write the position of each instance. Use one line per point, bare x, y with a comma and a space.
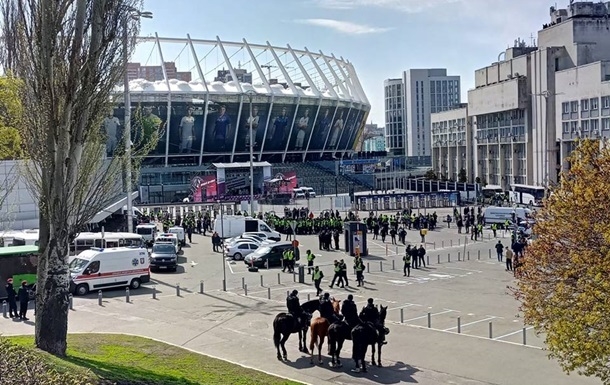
25, 367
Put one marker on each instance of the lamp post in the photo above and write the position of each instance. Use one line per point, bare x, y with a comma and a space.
222, 246
134, 14
250, 94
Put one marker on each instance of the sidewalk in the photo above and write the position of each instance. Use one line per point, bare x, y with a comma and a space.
239, 329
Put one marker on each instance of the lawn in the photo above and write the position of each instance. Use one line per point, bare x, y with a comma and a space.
128, 360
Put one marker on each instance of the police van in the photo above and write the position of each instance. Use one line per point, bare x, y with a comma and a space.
97, 269
499, 215
229, 226
169, 238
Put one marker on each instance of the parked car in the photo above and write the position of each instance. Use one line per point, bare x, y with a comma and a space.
273, 254
164, 257
240, 250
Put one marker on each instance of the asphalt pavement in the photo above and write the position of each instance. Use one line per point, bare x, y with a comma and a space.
452, 322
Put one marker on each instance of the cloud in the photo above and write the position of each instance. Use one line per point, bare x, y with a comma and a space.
408, 6
345, 27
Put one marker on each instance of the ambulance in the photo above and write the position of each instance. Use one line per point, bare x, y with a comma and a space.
98, 268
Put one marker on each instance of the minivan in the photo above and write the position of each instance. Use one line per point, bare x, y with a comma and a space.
271, 254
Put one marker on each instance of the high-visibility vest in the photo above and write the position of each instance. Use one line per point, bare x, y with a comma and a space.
290, 256
359, 266
407, 258
310, 257
317, 275
337, 268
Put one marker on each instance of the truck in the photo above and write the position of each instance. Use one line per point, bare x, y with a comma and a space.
498, 215
228, 226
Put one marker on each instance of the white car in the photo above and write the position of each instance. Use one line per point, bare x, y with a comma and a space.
244, 240
239, 250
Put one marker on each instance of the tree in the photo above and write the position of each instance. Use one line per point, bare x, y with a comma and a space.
11, 116
430, 174
462, 176
564, 286
69, 56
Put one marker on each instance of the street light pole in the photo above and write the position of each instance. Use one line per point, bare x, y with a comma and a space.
134, 14
250, 93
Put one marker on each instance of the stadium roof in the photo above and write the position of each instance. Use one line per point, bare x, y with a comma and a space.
241, 164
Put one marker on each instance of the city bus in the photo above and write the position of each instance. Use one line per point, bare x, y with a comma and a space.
19, 263
26, 238
527, 195
85, 241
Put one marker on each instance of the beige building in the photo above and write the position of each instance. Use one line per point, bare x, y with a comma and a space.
452, 143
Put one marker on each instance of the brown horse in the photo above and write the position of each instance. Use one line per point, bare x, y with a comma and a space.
319, 331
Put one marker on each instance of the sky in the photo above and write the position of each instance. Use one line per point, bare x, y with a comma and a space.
381, 38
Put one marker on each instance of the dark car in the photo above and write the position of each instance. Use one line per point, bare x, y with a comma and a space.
272, 253
164, 257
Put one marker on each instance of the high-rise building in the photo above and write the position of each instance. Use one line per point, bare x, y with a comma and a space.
528, 109
409, 101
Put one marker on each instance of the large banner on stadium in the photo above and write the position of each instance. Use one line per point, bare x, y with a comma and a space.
204, 188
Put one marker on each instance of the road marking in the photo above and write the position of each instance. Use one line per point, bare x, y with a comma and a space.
374, 298
230, 268
470, 323
513, 333
404, 306
431, 314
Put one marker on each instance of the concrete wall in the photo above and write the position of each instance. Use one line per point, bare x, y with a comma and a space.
507, 95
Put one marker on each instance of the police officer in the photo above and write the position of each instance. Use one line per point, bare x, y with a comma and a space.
343, 266
326, 309
317, 279
294, 306
359, 266
369, 312
350, 311
24, 298
407, 264
310, 259
12, 298
337, 268
285, 261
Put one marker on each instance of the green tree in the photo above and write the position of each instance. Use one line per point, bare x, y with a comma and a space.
11, 117
430, 174
69, 55
462, 176
564, 284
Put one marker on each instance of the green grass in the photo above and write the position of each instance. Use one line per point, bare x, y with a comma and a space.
135, 360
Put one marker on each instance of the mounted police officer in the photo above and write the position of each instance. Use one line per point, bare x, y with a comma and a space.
370, 313
294, 307
326, 309
350, 311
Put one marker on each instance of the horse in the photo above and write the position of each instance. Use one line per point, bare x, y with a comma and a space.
319, 331
366, 334
337, 334
285, 324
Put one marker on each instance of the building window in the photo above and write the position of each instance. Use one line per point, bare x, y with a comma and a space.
573, 127
594, 103
574, 106
566, 127
585, 125
606, 102
565, 106
606, 124
594, 125
584, 105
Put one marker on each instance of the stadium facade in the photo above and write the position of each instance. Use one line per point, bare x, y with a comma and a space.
306, 106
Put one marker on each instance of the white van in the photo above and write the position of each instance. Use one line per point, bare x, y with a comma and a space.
310, 191
171, 238
298, 193
148, 231
499, 215
179, 231
97, 269
229, 226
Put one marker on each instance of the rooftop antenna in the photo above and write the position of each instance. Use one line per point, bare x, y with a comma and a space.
532, 40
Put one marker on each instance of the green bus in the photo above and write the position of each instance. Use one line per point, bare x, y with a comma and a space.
20, 263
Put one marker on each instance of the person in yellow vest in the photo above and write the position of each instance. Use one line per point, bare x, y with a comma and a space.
359, 267
285, 261
310, 259
338, 276
317, 279
494, 228
290, 256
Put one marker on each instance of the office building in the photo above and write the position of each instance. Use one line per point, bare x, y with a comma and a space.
409, 103
155, 73
518, 105
452, 139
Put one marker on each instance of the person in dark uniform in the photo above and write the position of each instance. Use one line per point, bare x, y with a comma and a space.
24, 298
294, 306
11, 295
370, 313
326, 309
350, 311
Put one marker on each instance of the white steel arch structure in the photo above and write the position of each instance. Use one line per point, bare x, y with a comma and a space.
299, 88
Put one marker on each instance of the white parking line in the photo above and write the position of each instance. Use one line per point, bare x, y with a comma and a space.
513, 333
432, 314
470, 323
404, 306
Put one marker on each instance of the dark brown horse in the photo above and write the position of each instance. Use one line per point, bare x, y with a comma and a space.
285, 324
365, 334
319, 331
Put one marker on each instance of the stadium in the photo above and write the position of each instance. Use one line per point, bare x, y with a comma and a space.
301, 107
